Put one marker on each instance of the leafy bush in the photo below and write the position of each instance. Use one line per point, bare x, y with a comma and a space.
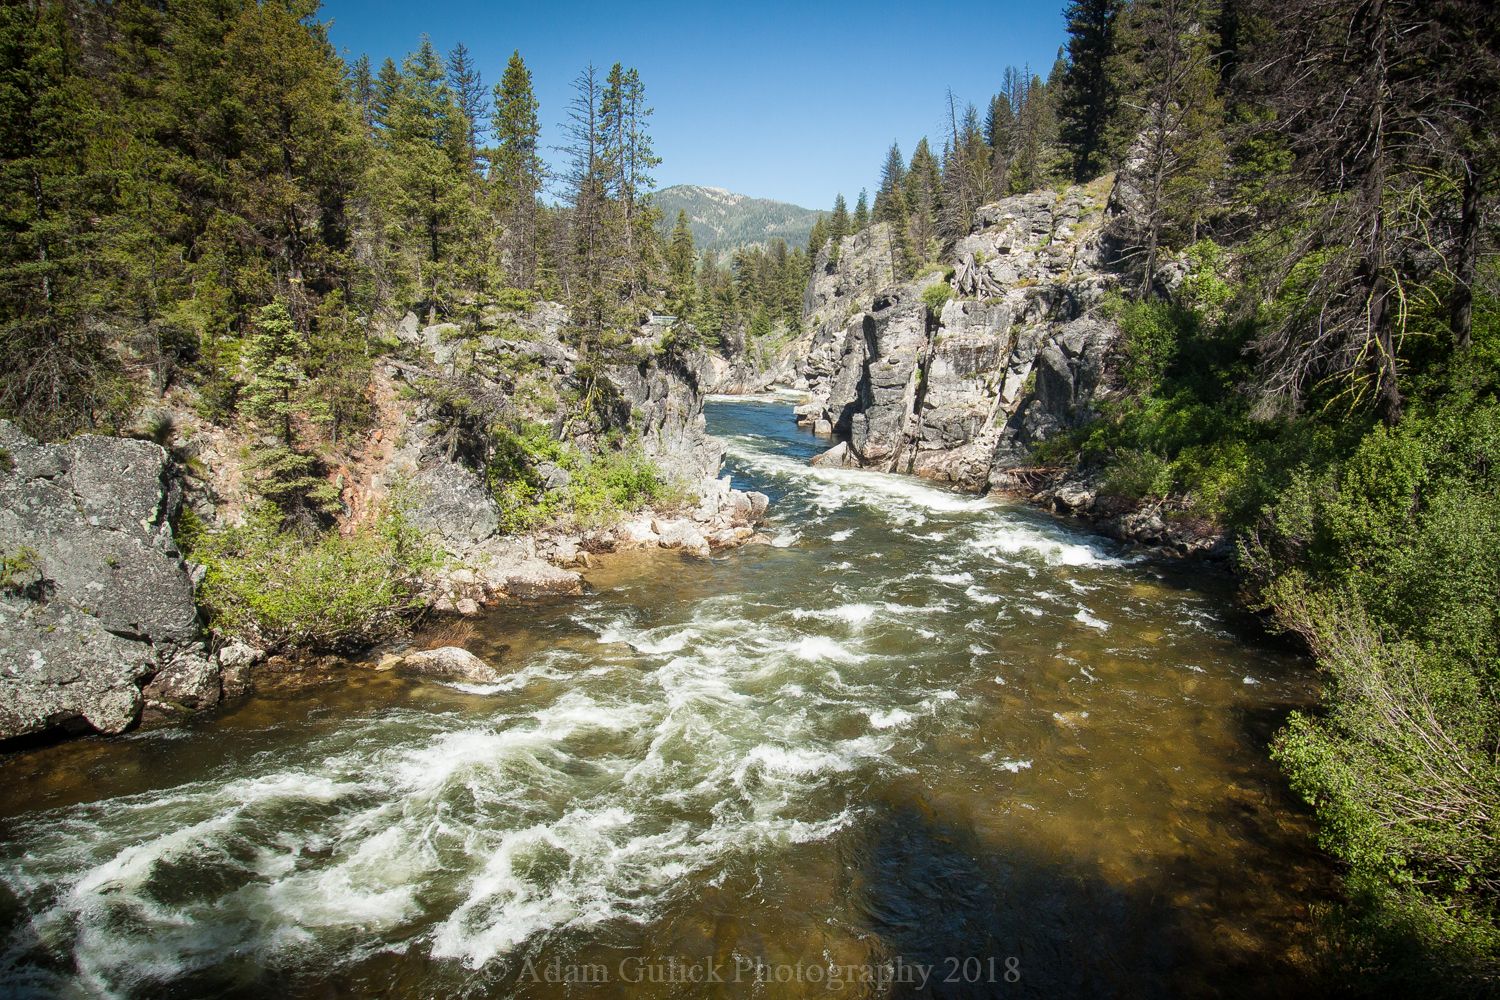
1150, 334
602, 486
331, 592
935, 267
1388, 563
935, 296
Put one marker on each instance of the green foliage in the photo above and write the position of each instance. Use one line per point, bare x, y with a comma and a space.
936, 295
18, 569
600, 486
1151, 331
334, 591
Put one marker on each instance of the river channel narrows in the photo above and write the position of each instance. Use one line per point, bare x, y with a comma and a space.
920, 731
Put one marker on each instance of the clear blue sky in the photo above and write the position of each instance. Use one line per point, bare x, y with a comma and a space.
793, 101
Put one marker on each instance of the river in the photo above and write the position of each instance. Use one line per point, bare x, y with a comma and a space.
924, 744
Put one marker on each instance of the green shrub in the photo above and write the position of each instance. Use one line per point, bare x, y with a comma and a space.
603, 486
1150, 334
1388, 563
935, 296
935, 267
1205, 290
517, 300
278, 589
1134, 476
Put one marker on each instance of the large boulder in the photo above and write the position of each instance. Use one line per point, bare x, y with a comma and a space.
531, 579
105, 601
449, 663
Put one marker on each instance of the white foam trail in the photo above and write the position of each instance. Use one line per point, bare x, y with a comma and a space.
889, 720
953, 577
819, 647
1085, 618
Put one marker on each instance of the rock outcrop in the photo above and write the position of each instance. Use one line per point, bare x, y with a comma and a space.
520, 362
1015, 353
97, 612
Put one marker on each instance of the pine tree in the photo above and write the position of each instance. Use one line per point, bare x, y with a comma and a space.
892, 181
1180, 122
428, 180
1088, 99
838, 227
862, 212
628, 151
999, 134
924, 185
516, 170
682, 260
467, 87
816, 239
386, 92
890, 207
597, 269
274, 394
60, 375
966, 173
362, 90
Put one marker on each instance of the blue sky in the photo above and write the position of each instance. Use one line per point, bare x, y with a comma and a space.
793, 101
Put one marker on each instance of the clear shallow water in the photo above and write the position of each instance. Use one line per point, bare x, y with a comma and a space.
924, 737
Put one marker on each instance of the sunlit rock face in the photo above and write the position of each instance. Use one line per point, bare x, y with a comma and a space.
96, 600
959, 388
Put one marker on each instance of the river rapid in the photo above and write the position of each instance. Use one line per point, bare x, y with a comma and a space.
924, 744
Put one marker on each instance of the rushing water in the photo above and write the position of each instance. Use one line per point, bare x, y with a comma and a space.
923, 744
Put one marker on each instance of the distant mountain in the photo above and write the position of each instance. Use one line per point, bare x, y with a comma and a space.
722, 220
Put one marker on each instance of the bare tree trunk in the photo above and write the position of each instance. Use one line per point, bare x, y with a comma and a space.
1468, 255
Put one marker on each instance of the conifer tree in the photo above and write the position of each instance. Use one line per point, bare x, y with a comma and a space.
597, 270
60, 375
999, 134
1088, 99
682, 260
861, 220
1179, 117
386, 90
838, 227
890, 207
428, 178
924, 185
467, 86
516, 170
275, 393
362, 90
816, 239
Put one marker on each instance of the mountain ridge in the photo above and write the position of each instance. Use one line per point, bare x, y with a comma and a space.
725, 220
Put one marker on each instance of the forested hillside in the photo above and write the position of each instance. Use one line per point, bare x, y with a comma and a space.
723, 221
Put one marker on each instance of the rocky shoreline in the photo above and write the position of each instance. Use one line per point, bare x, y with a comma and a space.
99, 622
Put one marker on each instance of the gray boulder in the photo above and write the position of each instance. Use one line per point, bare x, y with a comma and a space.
449, 663
108, 604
